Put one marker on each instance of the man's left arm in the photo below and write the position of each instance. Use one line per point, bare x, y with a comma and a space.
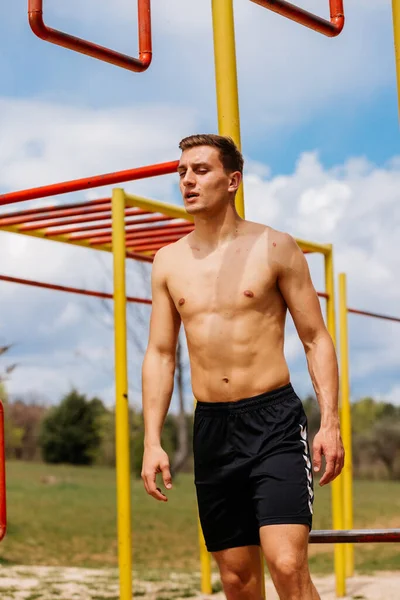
297, 289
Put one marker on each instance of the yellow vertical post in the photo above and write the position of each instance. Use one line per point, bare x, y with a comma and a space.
228, 94
396, 30
337, 505
121, 404
226, 78
205, 564
346, 422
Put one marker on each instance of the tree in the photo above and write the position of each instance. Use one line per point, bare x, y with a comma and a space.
182, 447
71, 431
25, 416
383, 443
313, 413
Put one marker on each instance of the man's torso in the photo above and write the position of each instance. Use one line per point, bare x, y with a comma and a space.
233, 313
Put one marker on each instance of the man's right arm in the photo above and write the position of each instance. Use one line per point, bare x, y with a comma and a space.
158, 377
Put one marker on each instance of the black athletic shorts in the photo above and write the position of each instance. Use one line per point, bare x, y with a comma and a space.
252, 467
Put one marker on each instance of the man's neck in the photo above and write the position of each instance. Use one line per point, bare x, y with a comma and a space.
214, 231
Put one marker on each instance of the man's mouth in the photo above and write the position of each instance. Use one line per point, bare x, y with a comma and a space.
191, 195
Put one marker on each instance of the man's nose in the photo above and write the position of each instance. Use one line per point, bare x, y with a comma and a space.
189, 178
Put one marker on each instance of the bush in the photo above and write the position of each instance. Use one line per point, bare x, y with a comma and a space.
71, 431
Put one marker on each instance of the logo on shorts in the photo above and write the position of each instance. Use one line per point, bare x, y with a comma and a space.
306, 456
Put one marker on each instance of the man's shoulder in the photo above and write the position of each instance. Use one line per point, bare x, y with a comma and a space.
167, 255
275, 237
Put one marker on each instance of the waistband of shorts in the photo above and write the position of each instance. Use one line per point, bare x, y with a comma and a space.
286, 392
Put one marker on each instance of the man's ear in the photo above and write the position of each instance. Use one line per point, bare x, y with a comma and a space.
235, 180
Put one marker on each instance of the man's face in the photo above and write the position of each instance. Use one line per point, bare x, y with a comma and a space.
204, 184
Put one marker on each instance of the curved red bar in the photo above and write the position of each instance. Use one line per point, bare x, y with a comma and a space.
330, 28
3, 504
138, 65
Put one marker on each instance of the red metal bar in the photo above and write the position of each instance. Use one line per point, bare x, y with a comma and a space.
140, 257
3, 495
154, 245
156, 240
50, 224
43, 209
42, 220
89, 182
371, 314
39, 28
72, 290
77, 232
323, 295
134, 233
330, 28
357, 536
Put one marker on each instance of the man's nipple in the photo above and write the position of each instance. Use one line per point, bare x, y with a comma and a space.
249, 293
181, 301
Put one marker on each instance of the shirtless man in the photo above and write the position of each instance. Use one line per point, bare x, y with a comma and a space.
230, 282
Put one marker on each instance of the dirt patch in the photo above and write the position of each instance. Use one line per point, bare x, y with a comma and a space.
56, 583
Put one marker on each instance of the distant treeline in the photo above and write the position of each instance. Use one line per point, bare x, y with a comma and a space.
81, 431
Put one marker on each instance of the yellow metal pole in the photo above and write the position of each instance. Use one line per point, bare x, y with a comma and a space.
346, 422
226, 78
396, 30
205, 564
337, 505
228, 95
121, 403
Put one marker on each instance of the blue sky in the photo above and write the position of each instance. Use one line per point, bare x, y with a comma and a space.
320, 137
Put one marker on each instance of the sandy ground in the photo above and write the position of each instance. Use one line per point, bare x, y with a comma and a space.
56, 583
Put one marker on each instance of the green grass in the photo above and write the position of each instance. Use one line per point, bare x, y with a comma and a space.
73, 522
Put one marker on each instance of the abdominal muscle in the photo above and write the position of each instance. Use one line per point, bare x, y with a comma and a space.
236, 357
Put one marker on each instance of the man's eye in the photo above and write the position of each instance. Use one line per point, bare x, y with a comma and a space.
181, 174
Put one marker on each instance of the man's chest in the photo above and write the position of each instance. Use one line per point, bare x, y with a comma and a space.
226, 286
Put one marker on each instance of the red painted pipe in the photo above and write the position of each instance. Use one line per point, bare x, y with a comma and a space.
153, 245
330, 28
136, 233
53, 208
89, 182
51, 224
3, 495
138, 256
72, 290
44, 218
357, 536
371, 314
77, 233
39, 28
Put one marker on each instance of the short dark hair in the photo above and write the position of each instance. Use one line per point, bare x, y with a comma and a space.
230, 156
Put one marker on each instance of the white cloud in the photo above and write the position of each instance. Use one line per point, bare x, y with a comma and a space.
294, 76
69, 130
343, 205
355, 206
72, 142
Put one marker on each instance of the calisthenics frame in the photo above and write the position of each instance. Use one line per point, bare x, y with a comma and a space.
141, 225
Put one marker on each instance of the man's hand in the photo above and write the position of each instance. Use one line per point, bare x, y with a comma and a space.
328, 442
155, 460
